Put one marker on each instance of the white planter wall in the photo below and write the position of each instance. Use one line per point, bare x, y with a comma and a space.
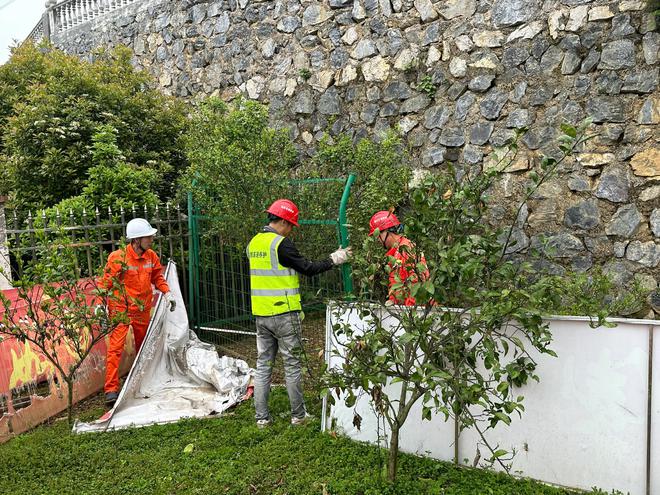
585, 423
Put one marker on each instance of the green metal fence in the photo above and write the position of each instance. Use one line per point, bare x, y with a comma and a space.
218, 277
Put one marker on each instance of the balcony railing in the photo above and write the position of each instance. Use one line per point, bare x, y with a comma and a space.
71, 13
37, 33
67, 14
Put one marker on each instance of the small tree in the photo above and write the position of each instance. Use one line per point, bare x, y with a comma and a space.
63, 316
51, 106
464, 363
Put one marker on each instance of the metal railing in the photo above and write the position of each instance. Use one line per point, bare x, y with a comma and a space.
70, 13
93, 235
37, 33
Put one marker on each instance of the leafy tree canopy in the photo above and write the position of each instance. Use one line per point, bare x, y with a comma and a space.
51, 106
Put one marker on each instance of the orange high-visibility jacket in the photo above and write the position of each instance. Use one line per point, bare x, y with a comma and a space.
136, 273
403, 268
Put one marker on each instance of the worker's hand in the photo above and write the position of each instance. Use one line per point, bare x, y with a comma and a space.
171, 303
341, 256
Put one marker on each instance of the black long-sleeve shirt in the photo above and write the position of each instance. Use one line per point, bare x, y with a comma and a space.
289, 256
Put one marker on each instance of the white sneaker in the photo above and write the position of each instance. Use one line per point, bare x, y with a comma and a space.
302, 421
264, 423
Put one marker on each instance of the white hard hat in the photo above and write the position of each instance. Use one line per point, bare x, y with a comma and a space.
139, 227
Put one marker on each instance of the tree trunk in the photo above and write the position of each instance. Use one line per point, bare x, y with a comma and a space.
393, 454
69, 406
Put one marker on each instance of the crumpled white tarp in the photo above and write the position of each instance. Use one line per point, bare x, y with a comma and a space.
174, 375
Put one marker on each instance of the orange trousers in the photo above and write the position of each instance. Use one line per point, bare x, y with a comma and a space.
116, 347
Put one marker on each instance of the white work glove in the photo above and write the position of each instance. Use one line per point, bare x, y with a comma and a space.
170, 300
341, 256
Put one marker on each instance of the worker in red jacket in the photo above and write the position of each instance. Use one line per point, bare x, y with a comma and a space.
401, 257
132, 271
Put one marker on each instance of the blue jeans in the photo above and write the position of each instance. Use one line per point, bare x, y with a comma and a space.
281, 332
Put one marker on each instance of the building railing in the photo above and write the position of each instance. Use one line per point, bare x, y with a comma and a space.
67, 14
37, 33
71, 13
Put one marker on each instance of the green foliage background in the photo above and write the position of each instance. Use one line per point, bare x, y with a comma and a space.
51, 106
238, 165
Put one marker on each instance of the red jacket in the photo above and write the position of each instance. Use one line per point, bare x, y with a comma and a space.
137, 274
402, 263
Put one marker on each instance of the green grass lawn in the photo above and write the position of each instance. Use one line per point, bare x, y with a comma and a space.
229, 456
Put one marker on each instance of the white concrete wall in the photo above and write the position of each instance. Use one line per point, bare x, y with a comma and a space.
584, 425
655, 411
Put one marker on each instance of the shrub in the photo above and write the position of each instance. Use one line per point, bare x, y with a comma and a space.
238, 165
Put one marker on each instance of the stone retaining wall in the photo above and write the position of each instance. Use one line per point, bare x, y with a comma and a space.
457, 77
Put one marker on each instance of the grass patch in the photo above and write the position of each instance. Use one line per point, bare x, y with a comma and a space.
229, 456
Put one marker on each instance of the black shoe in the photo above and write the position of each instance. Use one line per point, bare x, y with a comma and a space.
111, 398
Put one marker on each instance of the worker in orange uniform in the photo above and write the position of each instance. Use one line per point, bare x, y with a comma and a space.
401, 257
134, 268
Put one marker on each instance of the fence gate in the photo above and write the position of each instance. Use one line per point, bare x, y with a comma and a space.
219, 276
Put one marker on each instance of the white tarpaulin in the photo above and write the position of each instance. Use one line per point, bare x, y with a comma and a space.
174, 374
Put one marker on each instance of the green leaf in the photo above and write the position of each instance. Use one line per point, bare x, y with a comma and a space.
499, 453
502, 417
426, 413
569, 130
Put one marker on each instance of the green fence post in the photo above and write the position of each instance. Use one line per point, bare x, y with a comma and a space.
346, 275
192, 260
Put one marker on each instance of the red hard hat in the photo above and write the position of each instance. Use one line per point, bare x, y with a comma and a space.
286, 210
382, 221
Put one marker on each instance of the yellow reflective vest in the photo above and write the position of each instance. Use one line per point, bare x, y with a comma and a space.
274, 289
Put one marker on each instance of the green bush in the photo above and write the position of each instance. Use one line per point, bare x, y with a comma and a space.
594, 293
382, 170
112, 183
238, 165
52, 105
